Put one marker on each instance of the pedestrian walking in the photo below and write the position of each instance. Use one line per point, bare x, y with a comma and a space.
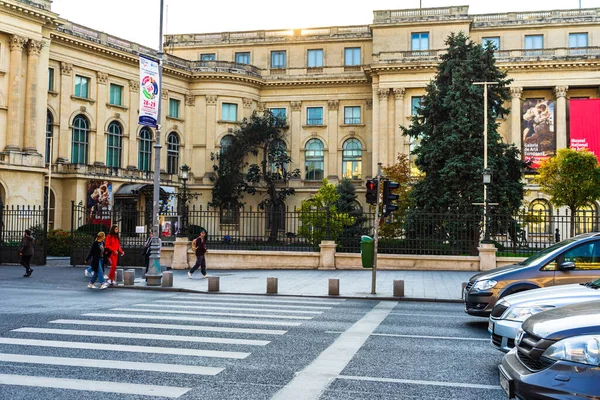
113, 248
199, 247
557, 236
26, 252
89, 270
146, 251
96, 255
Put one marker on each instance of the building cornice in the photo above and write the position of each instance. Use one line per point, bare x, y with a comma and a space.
30, 12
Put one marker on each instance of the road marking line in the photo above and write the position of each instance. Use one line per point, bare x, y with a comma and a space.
94, 386
202, 307
130, 335
422, 337
111, 364
239, 304
168, 326
419, 382
313, 380
253, 299
123, 348
195, 319
433, 315
212, 313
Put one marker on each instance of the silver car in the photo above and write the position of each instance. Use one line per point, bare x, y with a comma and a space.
509, 312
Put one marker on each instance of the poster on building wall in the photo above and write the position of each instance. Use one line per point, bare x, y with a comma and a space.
99, 202
537, 126
584, 125
149, 91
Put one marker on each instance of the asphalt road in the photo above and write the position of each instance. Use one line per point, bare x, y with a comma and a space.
66, 341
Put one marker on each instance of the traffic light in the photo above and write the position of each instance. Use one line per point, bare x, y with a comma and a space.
389, 197
372, 192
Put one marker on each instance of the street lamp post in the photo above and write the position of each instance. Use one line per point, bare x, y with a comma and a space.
182, 201
154, 275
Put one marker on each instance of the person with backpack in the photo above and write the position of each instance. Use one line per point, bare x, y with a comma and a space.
199, 247
113, 248
26, 252
96, 254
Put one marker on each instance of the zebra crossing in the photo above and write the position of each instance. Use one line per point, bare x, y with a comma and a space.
180, 338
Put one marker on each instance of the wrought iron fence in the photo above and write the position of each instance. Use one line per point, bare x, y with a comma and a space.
14, 220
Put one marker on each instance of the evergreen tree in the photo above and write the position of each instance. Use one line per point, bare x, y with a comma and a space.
450, 128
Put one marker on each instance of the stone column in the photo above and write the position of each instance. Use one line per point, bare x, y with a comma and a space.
211, 131
375, 132
332, 130
189, 115
398, 121
561, 116
516, 136
34, 49
296, 139
134, 103
98, 146
383, 126
15, 99
66, 90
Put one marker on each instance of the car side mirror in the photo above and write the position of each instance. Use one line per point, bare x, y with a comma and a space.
567, 266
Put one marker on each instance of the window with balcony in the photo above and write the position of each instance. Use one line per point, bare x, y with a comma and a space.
314, 116
352, 159
172, 153
491, 42
315, 58
242, 57
277, 156
314, 160
280, 114
145, 149
116, 95
352, 115
420, 41
79, 140
114, 144
208, 57
533, 45
82, 85
578, 43
229, 112
278, 59
352, 56
174, 108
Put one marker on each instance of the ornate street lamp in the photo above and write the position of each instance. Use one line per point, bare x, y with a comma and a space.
487, 179
182, 201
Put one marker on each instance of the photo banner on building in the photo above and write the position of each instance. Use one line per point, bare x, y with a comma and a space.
537, 126
99, 202
584, 125
149, 91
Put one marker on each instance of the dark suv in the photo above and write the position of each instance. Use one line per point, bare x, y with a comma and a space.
574, 260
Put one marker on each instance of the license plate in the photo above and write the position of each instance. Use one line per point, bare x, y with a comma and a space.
506, 383
491, 327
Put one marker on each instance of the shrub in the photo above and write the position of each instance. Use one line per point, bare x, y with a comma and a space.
59, 243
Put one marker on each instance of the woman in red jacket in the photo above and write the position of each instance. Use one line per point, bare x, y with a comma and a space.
113, 248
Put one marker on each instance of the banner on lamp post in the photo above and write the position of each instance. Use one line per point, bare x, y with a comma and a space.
149, 91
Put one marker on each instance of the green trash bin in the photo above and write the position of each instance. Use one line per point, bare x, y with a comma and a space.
367, 246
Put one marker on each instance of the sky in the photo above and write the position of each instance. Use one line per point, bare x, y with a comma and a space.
139, 20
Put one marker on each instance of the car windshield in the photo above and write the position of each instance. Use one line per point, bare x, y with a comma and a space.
532, 259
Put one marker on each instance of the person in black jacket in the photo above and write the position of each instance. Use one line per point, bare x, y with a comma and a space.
26, 252
200, 245
96, 254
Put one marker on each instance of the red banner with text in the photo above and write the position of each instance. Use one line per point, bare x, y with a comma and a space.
585, 125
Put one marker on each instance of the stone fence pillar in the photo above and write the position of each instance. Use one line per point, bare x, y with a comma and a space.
487, 256
327, 259
180, 256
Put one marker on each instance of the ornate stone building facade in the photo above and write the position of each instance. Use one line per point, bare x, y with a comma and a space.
69, 95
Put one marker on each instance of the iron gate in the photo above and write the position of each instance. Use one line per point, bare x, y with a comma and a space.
13, 222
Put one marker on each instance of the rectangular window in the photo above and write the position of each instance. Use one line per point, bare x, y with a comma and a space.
208, 57
229, 112
315, 58
82, 85
352, 115
534, 42
278, 59
420, 41
280, 114
173, 108
578, 43
415, 104
491, 41
116, 94
242, 58
314, 116
351, 56
50, 79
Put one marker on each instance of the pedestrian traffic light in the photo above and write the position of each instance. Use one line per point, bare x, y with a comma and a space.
389, 197
372, 192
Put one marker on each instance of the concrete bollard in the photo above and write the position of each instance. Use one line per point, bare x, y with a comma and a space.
271, 285
129, 277
334, 287
462, 289
167, 279
213, 283
399, 288
120, 275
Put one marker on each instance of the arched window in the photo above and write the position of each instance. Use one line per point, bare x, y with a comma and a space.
172, 153
49, 123
540, 217
585, 219
79, 140
277, 157
145, 149
226, 141
314, 160
352, 159
114, 145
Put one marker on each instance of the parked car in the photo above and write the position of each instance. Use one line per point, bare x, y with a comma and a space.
509, 312
575, 260
557, 355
